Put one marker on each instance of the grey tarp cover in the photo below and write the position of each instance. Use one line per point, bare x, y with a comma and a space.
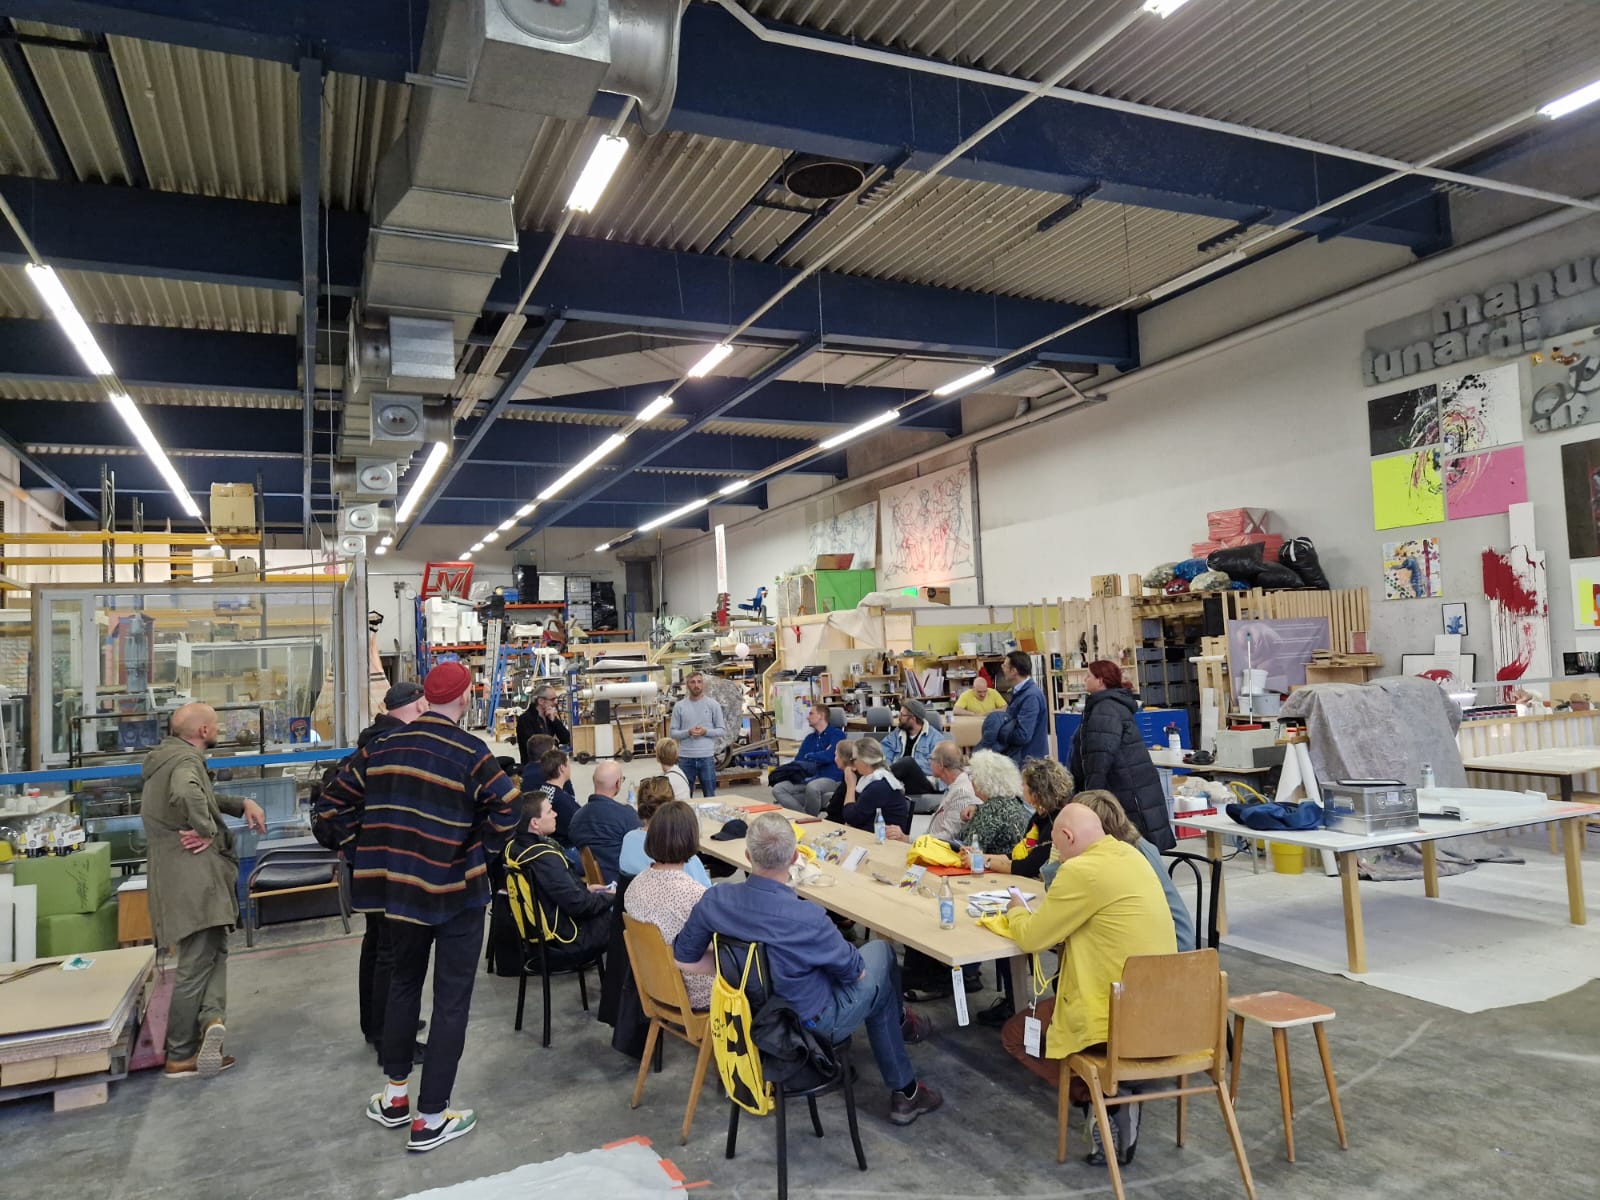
1387, 729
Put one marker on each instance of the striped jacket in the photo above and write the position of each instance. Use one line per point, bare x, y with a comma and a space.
410, 811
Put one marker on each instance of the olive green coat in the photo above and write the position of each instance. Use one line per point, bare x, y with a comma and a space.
188, 892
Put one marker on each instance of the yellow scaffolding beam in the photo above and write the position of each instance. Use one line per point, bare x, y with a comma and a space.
97, 537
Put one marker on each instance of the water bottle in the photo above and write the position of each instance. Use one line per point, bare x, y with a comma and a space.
1427, 775
1174, 741
975, 857
879, 830
633, 801
947, 907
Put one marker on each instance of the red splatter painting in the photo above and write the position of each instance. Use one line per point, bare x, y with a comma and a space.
1514, 582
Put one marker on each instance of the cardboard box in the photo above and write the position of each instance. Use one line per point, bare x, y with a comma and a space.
79, 933
1105, 585
75, 883
233, 506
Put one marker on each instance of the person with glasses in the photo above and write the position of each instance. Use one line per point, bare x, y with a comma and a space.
541, 716
634, 857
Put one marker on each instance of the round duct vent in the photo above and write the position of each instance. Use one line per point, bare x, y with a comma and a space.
397, 420
823, 178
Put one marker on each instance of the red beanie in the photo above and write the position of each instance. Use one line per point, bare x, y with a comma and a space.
446, 682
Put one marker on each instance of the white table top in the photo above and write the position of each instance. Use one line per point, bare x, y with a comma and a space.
1173, 761
1557, 760
1433, 828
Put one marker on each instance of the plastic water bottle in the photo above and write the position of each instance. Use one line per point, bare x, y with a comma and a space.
633, 801
879, 830
1427, 775
947, 907
975, 857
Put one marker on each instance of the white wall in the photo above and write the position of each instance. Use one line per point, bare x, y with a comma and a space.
1278, 422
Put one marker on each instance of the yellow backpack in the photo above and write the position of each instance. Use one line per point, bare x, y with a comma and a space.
738, 1060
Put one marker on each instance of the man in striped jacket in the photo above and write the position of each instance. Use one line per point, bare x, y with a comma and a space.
412, 811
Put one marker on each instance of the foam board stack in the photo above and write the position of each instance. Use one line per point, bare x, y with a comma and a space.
1230, 527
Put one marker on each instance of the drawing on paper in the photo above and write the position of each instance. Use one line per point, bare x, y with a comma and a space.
1407, 490
1565, 383
1453, 673
1481, 410
1455, 619
853, 532
1411, 570
1585, 593
1404, 420
1519, 624
1580, 483
928, 536
1481, 485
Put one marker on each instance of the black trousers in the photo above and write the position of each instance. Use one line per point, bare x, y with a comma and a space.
454, 947
909, 773
377, 963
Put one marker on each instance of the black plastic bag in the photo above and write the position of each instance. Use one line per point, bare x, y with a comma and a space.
1276, 575
1301, 556
1237, 562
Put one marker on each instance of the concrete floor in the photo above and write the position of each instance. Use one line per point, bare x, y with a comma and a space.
1438, 1103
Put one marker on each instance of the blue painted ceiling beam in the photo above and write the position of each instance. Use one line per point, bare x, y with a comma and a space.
602, 515
134, 474
47, 474
525, 444
146, 355
73, 423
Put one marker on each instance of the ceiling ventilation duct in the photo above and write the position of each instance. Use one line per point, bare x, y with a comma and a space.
813, 177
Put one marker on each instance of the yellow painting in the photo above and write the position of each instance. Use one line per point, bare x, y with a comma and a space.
1407, 489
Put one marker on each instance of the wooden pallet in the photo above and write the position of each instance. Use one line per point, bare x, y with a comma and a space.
1347, 610
79, 1080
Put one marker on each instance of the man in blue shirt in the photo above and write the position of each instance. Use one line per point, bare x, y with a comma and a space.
602, 823
835, 988
816, 760
1025, 731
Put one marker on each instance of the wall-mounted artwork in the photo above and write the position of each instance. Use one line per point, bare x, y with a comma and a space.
928, 537
1564, 385
1407, 490
1411, 570
852, 532
1481, 485
1519, 612
1585, 593
1404, 420
1455, 677
1580, 662
1481, 410
1455, 619
1580, 482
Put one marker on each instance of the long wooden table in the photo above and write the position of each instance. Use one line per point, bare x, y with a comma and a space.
1562, 763
1346, 846
889, 911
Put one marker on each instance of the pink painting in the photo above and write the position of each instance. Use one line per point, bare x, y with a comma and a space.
1482, 485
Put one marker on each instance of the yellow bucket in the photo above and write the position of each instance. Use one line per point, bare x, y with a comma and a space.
1287, 860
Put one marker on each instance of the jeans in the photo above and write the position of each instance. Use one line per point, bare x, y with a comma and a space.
808, 797
702, 769
872, 1001
200, 991
455, 946
372, 983
908, 772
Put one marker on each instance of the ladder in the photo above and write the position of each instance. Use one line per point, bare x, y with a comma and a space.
497, 670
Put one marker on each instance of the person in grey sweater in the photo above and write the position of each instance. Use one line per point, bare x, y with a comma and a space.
697, 723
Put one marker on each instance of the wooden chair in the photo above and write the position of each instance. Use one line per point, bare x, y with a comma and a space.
1279, 1012
591, 869
1168, 1017
522, 888
665, 1000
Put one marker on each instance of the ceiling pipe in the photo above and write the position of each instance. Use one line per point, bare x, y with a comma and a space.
927, 66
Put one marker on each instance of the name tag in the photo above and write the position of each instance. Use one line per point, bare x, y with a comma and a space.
1031, 1031
959, 983
853, 859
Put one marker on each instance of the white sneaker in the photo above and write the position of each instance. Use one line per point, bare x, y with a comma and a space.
457, 1123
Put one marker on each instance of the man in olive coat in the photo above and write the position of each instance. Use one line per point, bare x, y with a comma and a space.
194, 871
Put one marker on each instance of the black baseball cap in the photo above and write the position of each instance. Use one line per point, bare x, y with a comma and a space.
732, 831
402, 694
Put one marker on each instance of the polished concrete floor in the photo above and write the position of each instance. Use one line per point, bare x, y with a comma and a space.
1439, 1104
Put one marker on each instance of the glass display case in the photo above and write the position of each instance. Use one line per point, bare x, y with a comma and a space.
271, 657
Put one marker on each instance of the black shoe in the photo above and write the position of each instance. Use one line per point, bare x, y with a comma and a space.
914, 1028
997, 1014
905, 1109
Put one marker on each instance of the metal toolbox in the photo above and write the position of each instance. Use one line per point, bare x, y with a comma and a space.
1368, 806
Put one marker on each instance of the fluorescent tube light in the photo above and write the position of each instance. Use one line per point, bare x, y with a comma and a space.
492, 536
388, 540
655, 408
1163, 8
709, 360
674, 515
476, 546
380, 549
430, 468
966, 381
50, 288
506, 524
583, 464
840, 439
602, 547
597, 172
527, 509
134, 419
465, 556
1569, 103
729, 489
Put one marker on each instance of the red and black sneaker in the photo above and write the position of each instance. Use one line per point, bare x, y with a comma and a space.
391, 1115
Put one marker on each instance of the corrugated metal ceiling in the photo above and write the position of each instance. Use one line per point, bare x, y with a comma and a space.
71, 391
143, 300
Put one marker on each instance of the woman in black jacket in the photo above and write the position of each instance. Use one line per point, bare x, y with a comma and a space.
1108, 751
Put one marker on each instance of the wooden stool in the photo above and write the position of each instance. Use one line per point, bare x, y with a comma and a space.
1279, 1011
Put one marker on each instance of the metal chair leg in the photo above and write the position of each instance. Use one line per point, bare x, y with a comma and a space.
850, 1112
544, 974
522, 995
816, 1117
583, 987
733, 1128
783, 1146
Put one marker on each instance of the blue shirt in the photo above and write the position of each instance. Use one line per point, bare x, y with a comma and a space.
634, 861
601, 825
818, 749
808, 955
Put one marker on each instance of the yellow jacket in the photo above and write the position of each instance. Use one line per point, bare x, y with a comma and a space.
1107, 906
992, 701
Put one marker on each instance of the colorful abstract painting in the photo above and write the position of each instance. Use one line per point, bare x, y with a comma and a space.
1411, 570
1407, 490
1585, 594
1580, 484
1481, 410
1519, 612
1481, 485
1404, 420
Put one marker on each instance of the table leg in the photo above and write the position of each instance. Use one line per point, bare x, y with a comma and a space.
1355, 939
1572, 839
1214, 852
1566, 798
1430, 871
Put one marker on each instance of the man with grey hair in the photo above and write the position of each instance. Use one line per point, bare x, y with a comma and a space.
950, 818
835, 988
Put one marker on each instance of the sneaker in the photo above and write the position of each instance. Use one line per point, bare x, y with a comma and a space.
390, 1115
905, 1109
210, 1059
915, 1028
1097, 1156
1124, 1135
456, 1123
997, 1014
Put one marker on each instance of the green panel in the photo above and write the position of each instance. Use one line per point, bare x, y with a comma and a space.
79, 933
75, 883
837, 590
